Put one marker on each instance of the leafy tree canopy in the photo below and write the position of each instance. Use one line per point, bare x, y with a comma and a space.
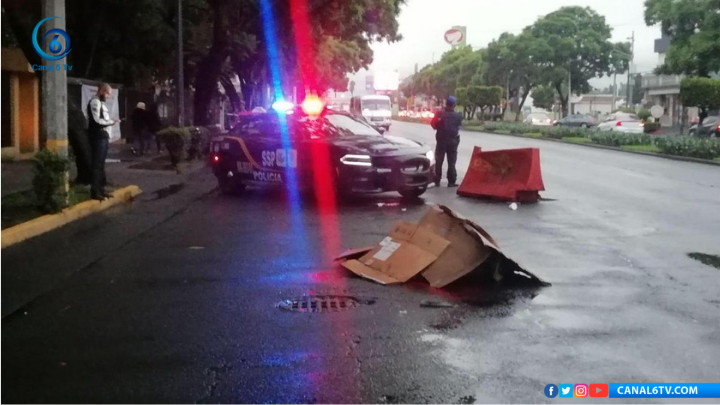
544, 97
694, 30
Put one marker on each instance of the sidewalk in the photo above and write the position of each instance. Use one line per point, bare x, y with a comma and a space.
48, 261
17, 176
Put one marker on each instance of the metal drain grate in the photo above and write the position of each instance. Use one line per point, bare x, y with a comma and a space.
323, 303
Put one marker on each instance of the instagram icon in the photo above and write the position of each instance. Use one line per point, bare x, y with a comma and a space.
581, 390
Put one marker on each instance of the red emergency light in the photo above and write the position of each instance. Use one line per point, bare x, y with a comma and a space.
312, 105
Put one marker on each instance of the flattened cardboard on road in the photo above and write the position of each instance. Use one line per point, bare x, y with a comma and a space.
443, 247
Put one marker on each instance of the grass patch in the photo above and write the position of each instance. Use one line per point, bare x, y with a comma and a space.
710, 260
502, 131
478, 128
717, 159
22, 207
642, 148
533, 134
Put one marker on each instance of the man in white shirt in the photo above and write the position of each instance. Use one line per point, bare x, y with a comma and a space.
99, 123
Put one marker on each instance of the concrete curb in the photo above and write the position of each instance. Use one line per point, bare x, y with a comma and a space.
594, 145
45, 223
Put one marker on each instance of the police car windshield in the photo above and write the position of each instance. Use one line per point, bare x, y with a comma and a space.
350, 126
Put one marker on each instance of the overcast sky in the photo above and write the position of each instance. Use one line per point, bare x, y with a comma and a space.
423, 23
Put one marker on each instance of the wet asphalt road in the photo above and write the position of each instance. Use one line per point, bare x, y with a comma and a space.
186, 311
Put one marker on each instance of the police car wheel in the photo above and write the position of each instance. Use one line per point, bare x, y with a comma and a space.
230, 186
412, 192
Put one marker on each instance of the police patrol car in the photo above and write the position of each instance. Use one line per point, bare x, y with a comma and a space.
296, 146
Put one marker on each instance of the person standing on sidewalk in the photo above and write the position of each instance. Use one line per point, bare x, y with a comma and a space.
99, 122
141, 128
447, 124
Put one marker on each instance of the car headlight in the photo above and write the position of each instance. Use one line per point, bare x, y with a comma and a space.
430, 155
356, 160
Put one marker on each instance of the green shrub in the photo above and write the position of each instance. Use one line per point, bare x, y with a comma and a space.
48, 183
560, 132
689, 146
175, 139
644, 114
619, 139
651, 127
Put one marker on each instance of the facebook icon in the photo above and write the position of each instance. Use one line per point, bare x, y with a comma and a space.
551, 390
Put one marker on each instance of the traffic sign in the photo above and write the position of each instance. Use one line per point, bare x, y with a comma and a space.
657, 111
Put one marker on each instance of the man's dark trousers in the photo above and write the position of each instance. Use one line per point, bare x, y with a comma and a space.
99, 154
447, 146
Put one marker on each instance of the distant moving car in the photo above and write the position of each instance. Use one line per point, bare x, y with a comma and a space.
577, 120
357, 158
538, 119
710, 128
623, 122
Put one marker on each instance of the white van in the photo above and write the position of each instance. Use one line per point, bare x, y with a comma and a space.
376, 109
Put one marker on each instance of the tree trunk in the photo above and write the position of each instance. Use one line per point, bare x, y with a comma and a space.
522, 103
230, 92
563, 100
209, 69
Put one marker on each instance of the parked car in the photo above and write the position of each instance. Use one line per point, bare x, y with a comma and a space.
538, 119
577, 120
623, 122
710, 128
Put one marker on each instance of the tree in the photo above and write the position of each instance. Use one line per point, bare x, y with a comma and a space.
317, 41
516, 63
694, 30
352, 88
637, 90
461, 93
118, 41
484, 97
700, 92
456, 68
544, 97
579, 39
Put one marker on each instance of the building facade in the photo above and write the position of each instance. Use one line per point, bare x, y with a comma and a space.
664, 90
20, 106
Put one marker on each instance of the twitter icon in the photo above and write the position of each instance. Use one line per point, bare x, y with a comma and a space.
566, 391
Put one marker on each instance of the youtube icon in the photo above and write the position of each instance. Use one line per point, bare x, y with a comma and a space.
599, 390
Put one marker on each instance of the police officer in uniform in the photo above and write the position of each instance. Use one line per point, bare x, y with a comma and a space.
447, 124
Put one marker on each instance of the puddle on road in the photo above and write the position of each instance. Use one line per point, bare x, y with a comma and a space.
704, 258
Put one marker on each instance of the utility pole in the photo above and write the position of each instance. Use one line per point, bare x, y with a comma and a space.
53, 93
632, 57
54, 86
181, 74
569, 91
614, 90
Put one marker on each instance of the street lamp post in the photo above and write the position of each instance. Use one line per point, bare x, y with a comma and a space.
632, 51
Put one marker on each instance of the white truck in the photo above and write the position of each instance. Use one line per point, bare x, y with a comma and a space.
376, 109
